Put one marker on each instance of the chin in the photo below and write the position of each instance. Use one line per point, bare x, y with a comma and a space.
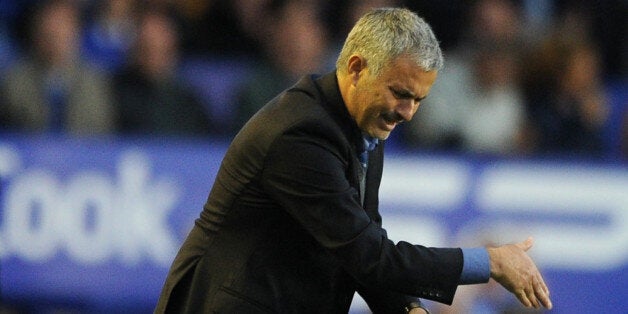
382, 136
378, 133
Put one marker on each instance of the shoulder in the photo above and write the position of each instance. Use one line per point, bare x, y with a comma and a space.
300, 105
297, 113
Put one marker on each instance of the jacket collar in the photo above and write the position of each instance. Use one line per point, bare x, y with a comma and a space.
333, 103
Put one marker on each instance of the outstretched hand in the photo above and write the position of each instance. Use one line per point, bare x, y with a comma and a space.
513, 268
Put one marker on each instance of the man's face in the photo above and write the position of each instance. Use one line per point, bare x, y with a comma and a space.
379, 103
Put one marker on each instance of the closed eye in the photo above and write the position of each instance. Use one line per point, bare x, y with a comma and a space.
405, 94
401, 94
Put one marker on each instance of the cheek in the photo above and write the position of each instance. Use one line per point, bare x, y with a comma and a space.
367, 114
372, 103
385, 103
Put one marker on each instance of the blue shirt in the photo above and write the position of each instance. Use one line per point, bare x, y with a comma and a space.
476, 267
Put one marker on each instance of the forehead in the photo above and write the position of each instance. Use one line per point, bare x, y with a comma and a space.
404, 72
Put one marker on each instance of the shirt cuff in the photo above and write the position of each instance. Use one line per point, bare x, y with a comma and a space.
476, 266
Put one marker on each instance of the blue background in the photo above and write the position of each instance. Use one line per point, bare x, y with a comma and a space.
155, 188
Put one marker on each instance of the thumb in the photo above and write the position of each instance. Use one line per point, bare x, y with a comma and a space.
527, 244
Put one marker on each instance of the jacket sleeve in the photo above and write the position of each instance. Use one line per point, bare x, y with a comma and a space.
386, 301
306, 172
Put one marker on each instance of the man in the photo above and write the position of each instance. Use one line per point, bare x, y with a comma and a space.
292, 223
51, 89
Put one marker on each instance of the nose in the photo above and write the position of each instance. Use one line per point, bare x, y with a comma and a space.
406, 109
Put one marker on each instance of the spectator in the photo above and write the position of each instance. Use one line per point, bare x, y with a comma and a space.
149, 97
495, 111
297, 44
604, 23
51, 89
476, 105
221, 27
567, 104
109, 35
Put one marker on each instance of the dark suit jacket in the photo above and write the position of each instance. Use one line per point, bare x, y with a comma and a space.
284, 230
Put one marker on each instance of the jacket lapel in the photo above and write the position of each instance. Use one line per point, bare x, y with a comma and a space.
333, 103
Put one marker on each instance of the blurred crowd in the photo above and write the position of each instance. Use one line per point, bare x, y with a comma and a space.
522, 77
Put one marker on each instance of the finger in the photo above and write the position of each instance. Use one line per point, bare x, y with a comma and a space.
527, 244
531, 294
521, 295
545, 288
544, 299
542, 293
542, 284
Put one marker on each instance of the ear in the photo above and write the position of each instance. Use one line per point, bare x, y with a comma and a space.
356, 67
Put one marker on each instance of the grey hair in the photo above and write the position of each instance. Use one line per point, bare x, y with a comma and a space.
384, 34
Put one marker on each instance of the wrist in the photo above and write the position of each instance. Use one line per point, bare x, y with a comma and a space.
493, 258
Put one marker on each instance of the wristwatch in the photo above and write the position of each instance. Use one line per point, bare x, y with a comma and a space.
414, 305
